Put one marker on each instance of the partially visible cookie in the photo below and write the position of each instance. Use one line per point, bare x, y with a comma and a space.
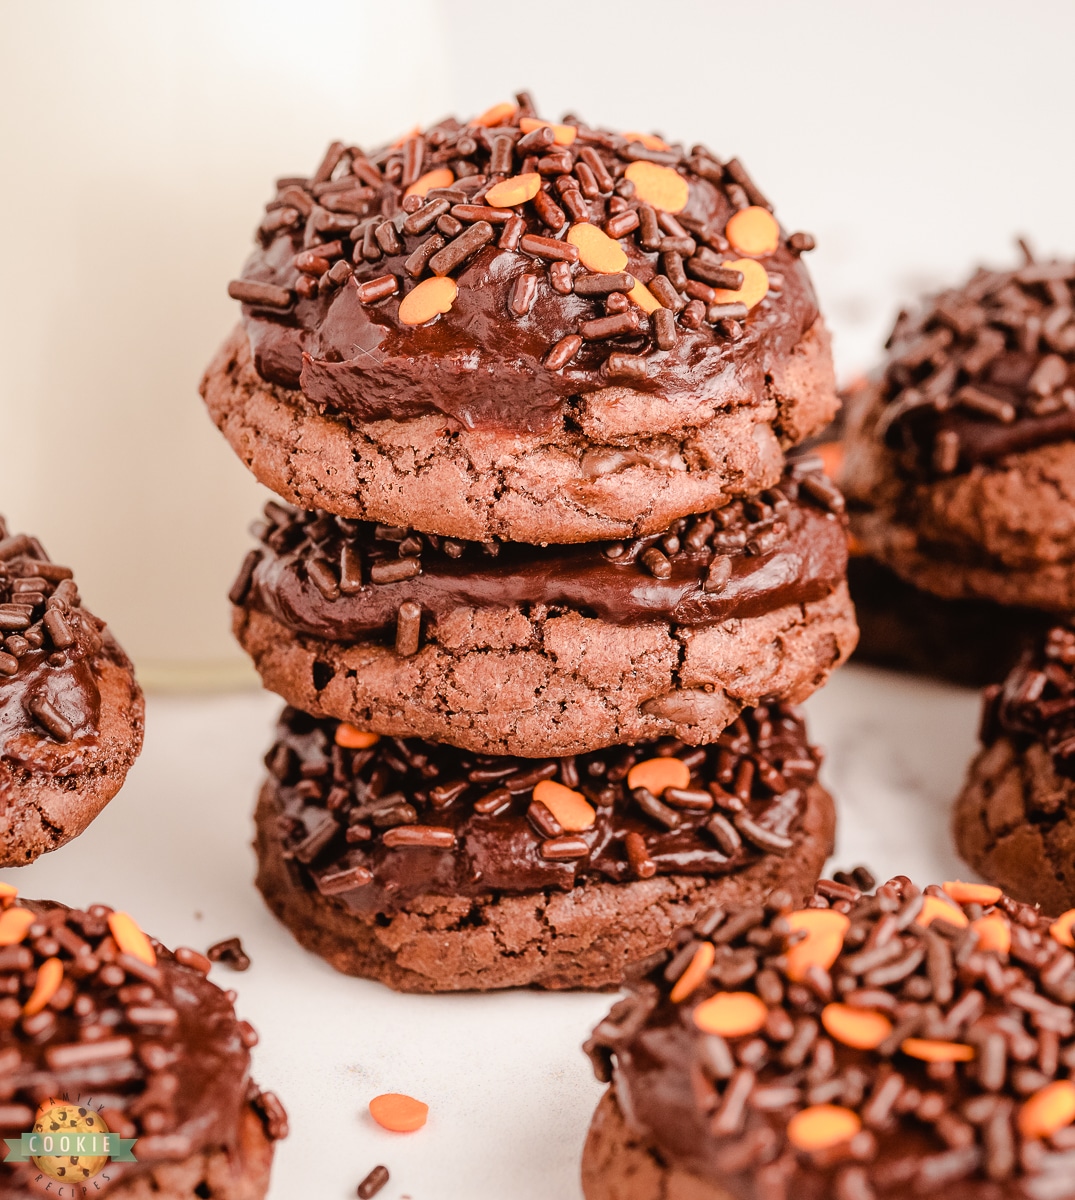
505, 328
103, 1030
518, 649
71, 712
433, 869
1015, 818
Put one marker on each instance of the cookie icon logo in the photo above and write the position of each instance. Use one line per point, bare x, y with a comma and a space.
70, 1134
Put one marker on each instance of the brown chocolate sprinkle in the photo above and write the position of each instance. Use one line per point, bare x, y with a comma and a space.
862, 1047
44, 630
408, 797
355, 215
982, 370
230, 953
157, 1050
373, 1183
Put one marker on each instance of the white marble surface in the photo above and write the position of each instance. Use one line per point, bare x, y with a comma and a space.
509, 1090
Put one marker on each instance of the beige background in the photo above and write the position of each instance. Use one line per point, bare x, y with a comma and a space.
139, 141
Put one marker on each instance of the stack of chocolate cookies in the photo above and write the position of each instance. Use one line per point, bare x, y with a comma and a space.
544, 582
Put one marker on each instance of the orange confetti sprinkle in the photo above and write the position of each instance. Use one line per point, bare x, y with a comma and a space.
1061, 929
825, 930
399, 1113
753, 230
130, 939
832, 457
562, 135
574, 812
428, 300
350, 737
936, 909
644, 298
1048, 1111
597, 251
8, 892
754, 288
656, 774
695, 972
49, 978
497, 115
994, 933
929, 1050
731, 1014
650, 140
822, 1126
662, 187
972, 893
861, 1028
14, 922
440, 177
516, 190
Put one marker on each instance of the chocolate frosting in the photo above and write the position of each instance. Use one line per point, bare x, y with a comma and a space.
785, 547
172, 1067
481, 365
982, 371
340, 810
1036, 703
720, 1108
49, 699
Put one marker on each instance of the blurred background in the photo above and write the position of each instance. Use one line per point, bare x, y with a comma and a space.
140, 141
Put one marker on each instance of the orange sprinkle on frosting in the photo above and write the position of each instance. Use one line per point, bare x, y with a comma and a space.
823, 1126
731, 1014
563, 135
14, 925
574, 812
695, 972
441, 177
929, 1050
656, 774
860, 1028
825, 931
753, 231
660, 186
350, 737
130, 939
972, 893
936, 909
47, 984
429, 299
1048, 1110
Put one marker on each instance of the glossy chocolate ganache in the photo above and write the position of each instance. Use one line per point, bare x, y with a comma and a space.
48, 693
374, 822
982, 371
881, 1046
95, 1013
346, 581
544, 260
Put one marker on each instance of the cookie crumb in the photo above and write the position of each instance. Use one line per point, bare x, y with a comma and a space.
230, 952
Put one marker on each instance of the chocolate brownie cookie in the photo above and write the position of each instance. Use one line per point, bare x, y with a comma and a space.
1015, 819
71, 713
103, 1030
505, 328
895, 1044
960, 467
434, 869
519, 649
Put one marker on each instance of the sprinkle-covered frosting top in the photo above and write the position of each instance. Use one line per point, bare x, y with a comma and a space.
983, 370
92, 1008
488, 270
897, 1043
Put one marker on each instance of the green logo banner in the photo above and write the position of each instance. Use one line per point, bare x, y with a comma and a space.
92, 1145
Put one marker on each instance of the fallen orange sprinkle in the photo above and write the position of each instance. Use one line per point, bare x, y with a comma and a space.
1048, 1110
597, 251
350, 737
994, 933
439, 177
656, 774
130, 939
755, 286
753, 230
731, 1014
1061, 929
563, 135
516, 190
497, 115
400, 1114
662, 187
861, 1028
574, 812
825, 930
822, 1126
428, 300
695, 972
14, 922
49, 978
929, 1050
936, 909
972, 893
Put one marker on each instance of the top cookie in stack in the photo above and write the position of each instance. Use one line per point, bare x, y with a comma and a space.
509, 331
